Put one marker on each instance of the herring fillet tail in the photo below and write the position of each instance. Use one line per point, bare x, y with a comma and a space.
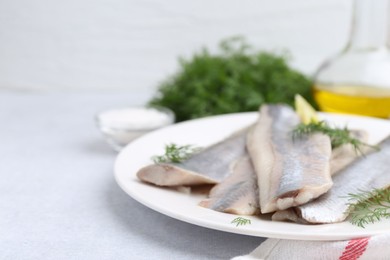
209, 166
238, 193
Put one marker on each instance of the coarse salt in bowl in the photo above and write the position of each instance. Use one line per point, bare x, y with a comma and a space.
121, 126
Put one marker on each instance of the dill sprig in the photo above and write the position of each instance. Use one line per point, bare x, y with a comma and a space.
338, 136
369, 206
175, 153
240, 221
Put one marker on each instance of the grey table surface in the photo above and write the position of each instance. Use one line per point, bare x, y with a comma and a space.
58, 196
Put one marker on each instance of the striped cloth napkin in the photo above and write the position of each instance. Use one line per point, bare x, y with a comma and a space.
370, 248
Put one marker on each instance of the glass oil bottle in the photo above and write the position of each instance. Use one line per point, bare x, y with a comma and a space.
357, 81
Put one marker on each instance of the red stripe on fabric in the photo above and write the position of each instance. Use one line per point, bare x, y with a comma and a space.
354, 249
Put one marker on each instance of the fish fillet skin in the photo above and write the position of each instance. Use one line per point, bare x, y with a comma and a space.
341, 158
290, 171
365, 174
238, 193
209, 166
344, 155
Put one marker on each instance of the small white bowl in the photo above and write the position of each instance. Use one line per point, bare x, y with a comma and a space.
122, 125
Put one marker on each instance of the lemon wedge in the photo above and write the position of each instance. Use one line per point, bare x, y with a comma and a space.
305, 111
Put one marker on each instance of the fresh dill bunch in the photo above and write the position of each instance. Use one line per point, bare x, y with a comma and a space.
338, 136
240, 221
234, 78
175, 153
369, 206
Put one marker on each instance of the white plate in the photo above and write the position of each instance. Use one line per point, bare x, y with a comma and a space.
184, 207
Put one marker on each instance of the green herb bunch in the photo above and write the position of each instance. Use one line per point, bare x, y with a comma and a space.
237, 79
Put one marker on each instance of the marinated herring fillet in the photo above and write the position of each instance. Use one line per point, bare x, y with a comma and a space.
365, 174
209, 166
290, 171
238, 193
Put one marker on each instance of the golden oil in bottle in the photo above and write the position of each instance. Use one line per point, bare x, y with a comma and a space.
361, 100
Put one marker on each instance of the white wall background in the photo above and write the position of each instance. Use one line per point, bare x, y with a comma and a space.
134, 44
